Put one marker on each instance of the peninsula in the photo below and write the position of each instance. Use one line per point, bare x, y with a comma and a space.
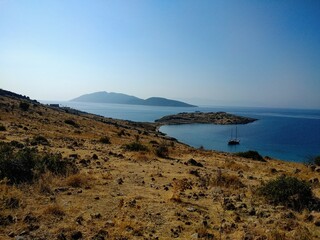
221, 118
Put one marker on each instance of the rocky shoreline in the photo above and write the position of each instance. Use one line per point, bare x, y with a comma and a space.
221, 118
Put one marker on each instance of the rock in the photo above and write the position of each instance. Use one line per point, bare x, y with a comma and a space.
76, 235
191, 209
297, 170
29, 218
230, 206
309, 218
109, 223
61, 236
273, 170
96, 215
195, 236
317, 223
101, 235
120, 181
252, 212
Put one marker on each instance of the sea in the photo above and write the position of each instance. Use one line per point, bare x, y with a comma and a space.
284, 134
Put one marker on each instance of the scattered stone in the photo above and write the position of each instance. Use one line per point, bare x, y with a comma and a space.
195, 236
120, 181
109, 223
61, 236
252, 212
101, 235
29, 218
273, 170
191, 209
297, 170
4, 221
309, 218
96, 215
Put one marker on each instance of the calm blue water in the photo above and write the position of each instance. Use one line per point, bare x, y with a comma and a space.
286, 134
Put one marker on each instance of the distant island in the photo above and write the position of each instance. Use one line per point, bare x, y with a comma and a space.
221, 118
120, 98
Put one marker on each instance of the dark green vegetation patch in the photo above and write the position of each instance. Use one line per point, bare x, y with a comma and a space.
254, 155
27, 164
290, 192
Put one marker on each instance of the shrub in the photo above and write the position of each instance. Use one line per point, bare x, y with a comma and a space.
252, 155
2, 128
56, 165
17, 167
105, 140
77, 180
136, 147
316, 160
55, 210
24, 106
72, 123
162, 151
39, 140
288, 191
28, 164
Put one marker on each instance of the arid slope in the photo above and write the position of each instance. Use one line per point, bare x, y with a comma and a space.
122, 194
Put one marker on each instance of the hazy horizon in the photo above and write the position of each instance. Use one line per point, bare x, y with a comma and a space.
233, 53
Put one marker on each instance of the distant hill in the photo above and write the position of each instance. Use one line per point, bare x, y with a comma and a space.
120, 98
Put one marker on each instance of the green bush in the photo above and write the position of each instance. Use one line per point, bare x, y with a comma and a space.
27, 164
252, 155
136, 147
2, 128
288, 191
24, 106
105, 140
17, 167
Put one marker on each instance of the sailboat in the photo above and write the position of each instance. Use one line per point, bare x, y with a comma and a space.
234, 141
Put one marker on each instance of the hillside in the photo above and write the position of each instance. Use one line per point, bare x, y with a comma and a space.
81, 176
120, 98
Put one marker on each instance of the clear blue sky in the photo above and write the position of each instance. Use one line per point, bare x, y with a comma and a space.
235, 52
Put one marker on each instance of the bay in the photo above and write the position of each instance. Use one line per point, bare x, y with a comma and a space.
286, 134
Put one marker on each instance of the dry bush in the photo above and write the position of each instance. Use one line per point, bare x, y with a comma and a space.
226, 180
10, 196
44, 185
179, 186
54, 209
142, 157
78, 180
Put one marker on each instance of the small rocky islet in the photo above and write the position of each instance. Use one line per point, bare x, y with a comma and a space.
221, 118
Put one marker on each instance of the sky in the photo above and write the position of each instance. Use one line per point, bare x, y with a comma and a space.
215, 52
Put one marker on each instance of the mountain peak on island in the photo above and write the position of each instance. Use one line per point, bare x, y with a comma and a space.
120, 98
